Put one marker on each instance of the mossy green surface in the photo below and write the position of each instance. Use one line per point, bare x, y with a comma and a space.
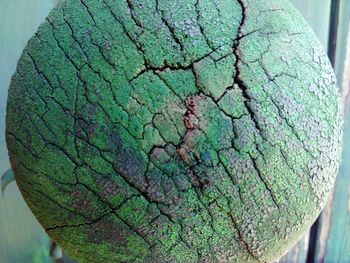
174, 131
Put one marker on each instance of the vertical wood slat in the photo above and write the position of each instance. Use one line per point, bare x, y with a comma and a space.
333, 31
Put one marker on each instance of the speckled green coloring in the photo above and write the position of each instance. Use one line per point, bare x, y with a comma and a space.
174, 131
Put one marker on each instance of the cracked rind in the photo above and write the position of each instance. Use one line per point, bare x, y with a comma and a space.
174, 131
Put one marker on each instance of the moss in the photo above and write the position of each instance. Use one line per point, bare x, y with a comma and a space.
174, 131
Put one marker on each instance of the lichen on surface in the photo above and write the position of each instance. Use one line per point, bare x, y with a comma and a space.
174, 131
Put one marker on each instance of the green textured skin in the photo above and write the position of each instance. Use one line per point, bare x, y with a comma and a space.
174, 131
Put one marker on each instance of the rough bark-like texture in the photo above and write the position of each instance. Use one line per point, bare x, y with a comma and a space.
174, 131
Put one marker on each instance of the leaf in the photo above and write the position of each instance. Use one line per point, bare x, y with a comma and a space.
6, 179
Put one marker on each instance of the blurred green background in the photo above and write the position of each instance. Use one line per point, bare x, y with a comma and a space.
21, 238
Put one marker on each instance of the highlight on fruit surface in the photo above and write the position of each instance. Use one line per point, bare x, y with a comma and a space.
174, 131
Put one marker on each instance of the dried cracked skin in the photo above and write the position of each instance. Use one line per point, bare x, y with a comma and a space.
174, 131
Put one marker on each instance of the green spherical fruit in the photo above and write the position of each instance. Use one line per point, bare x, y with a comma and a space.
174, 131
